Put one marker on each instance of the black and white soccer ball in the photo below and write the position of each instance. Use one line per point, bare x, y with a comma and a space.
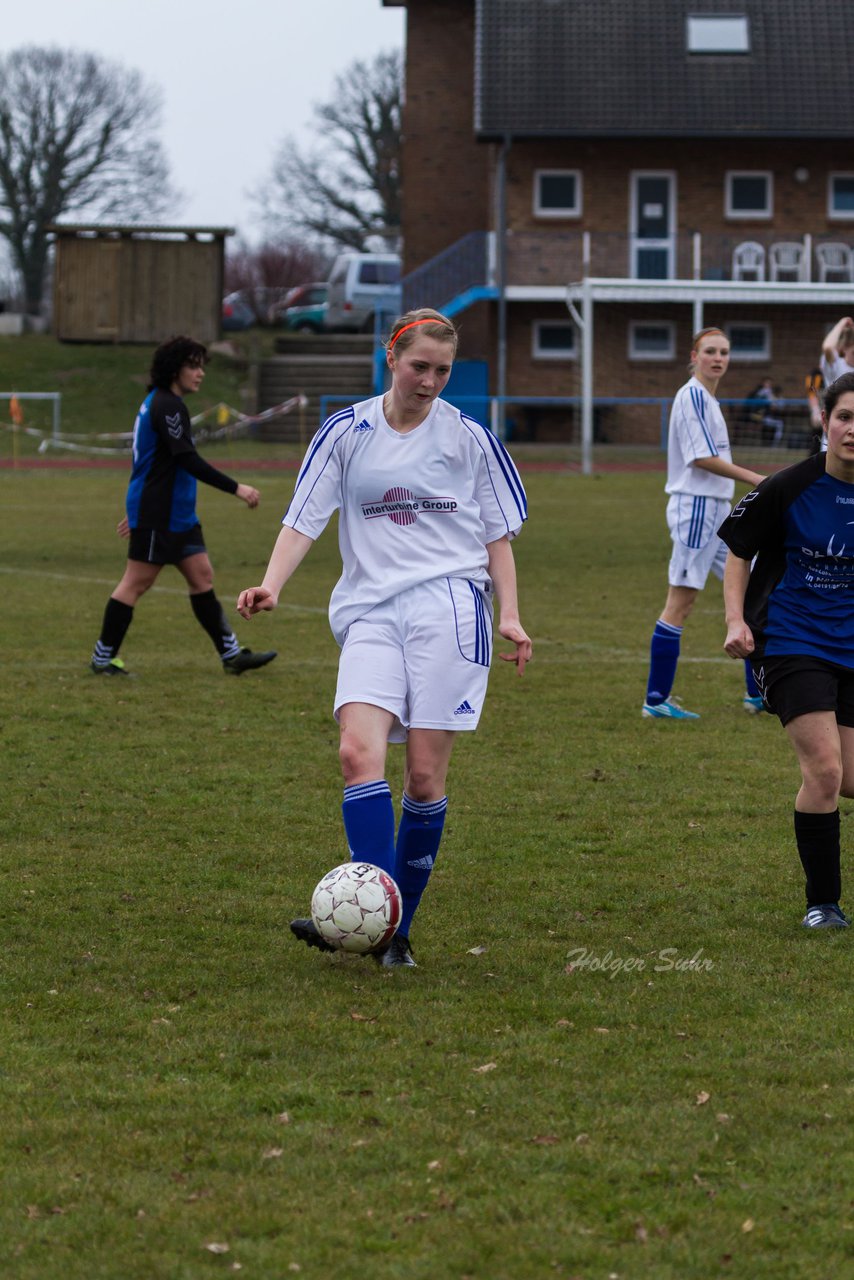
356, 907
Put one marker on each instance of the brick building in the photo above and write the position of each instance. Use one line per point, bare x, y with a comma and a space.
585, 185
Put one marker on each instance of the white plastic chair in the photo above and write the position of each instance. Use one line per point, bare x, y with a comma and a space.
835, 259
787, 260
748, 261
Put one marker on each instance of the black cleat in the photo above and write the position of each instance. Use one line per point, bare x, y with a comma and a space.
115, 667
306, 931
397, 955
828, 915
246, 660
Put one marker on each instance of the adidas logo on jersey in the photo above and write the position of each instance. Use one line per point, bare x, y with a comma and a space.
465, 709
364, 425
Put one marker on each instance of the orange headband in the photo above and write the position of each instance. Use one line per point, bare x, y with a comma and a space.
411, 325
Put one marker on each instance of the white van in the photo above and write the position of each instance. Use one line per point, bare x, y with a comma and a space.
359, 285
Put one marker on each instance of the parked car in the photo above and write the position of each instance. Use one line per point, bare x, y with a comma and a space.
361, 284
236, 313
305, 309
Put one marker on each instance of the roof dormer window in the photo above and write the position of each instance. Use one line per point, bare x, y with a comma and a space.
717, 33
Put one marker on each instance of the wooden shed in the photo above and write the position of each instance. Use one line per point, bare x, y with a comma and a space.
137, 283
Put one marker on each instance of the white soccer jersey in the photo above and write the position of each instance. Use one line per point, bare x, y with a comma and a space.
697, 430
413, 506
833, 369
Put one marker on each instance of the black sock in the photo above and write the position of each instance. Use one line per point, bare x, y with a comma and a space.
209, 612
117, 619
817, 835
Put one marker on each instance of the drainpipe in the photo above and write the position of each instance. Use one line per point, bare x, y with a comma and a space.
499, 410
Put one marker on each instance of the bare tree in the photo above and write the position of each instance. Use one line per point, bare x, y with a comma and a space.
264, 275
77, 136
347, 190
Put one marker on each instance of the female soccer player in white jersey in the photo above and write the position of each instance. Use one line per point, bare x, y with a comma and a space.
428, 503
792, 614
701, 480
837, 351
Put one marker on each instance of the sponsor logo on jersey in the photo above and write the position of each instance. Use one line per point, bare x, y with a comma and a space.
465, 709
364, 425
403, 507
839, 498
174, 425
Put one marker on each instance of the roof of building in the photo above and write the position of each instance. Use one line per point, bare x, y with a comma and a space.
135, 229
612, 68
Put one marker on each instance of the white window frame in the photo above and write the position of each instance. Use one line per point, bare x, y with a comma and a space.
538, 353
635, 354
751, 215
700, 36
668, 242
837, 215
540, 212
757, 357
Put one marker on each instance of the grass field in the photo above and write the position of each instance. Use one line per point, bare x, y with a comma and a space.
102, 383
619, 1056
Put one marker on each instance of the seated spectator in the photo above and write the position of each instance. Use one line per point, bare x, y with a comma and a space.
768, 398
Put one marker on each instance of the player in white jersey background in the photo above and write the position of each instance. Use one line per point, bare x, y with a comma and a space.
428, 502
837, 351
701, 480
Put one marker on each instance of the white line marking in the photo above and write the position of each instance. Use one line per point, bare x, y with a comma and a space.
111, 582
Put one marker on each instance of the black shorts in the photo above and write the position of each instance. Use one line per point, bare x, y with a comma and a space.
793, 685
156, 546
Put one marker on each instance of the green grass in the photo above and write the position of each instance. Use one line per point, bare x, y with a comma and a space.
176, 1072
101, 384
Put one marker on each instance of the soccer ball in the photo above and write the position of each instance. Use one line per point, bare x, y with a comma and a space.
356, 907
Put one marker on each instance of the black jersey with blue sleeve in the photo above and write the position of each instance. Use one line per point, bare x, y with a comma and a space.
799, 526
166, 467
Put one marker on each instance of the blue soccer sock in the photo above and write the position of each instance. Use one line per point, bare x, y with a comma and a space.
752, 686
418, 837
663, 658
369, 823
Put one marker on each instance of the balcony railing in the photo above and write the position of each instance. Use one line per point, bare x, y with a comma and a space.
466, 270
463, 266
562, 257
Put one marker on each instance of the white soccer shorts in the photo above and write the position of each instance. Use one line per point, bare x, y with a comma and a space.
424, 656
697, 550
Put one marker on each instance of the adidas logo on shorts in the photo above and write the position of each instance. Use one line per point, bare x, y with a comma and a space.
465, 709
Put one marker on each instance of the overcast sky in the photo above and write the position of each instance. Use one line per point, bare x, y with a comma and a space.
235, 76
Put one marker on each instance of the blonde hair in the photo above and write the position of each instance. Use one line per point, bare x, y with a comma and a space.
423, 320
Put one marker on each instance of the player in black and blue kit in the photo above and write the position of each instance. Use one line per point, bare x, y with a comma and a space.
161, 512
792, 614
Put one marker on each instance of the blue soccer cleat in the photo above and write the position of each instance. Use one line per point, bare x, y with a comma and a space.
753, 705
827, 915
669, 709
